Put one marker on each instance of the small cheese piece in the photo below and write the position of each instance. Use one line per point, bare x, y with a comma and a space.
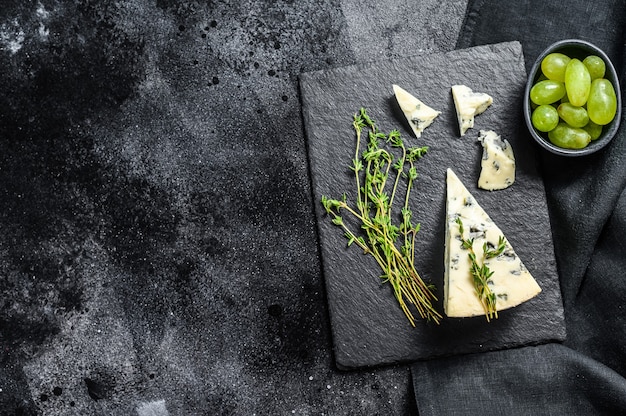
498, 162
468, 105
511, 282
418, 114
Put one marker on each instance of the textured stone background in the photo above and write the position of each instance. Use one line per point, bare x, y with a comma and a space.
158, 253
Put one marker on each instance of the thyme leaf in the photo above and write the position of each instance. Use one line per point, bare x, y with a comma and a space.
481, 273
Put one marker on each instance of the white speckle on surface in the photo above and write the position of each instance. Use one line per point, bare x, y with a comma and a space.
11, 37
156, 408
43, 31
42, 14
41, 11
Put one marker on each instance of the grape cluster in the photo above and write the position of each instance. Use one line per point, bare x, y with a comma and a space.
572, 100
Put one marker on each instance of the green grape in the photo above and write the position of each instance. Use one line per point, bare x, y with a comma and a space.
545, 118
595, 65
569, 137
553, 66
547, 92
594, 130
602, 104
572, 115
577, 82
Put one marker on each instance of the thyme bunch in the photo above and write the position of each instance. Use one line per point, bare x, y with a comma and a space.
378, 173
481, 274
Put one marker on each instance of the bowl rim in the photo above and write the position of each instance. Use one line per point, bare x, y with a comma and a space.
613, 126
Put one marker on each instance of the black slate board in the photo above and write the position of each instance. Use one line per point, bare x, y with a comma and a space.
368, 327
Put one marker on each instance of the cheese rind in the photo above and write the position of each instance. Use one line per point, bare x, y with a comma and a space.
418, 114
511, 281
497, 163
468, 104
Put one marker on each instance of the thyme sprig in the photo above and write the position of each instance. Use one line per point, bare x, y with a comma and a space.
481, 273
378, 173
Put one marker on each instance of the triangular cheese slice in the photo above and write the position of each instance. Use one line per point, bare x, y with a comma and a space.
418, 114
511, 281
468, 104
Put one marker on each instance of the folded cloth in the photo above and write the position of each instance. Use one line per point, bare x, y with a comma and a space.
548, 379
585, 375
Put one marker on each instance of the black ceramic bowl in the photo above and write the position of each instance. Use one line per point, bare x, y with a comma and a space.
574, 48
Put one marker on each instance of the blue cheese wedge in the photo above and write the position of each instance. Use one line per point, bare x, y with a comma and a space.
468, 105
511, 282
497, 163
418, 114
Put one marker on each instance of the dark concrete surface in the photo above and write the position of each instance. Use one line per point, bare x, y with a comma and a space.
158, 253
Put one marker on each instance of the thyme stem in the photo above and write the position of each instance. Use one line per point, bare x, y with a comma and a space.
481, 274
